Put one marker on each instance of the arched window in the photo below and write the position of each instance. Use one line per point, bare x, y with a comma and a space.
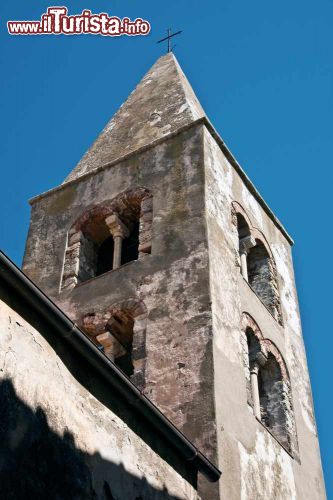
256, 262
272, 400
242, 227
121, 332
245, 240
120, 326
108, 236
268, 385
260, 274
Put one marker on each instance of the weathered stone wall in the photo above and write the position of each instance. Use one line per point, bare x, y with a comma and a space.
194, 294
63, 435
255, 465
171, 282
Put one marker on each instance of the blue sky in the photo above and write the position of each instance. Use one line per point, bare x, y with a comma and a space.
263, 73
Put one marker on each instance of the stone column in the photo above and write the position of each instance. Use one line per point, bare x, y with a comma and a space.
244, 246
254, 370
259, 360
119, 231
243, 257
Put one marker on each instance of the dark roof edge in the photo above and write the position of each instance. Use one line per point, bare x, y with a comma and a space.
11, 274
204, 120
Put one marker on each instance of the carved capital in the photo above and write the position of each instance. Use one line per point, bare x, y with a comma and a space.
254, 369
116, 226
258, 361
246, 243
261, 358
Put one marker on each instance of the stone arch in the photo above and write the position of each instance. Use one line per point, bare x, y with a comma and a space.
236, 208
271, 349
248, 321
256, 261
108, 235
268, 384
259, 235
135, 306
120, 330
128, 203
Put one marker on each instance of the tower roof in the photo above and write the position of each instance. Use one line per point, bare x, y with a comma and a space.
162, 102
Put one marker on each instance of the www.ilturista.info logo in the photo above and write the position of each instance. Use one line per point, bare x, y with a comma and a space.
56, 21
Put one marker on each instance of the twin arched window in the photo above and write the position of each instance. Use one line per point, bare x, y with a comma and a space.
107, 236
120, 331
268, 385
257, 264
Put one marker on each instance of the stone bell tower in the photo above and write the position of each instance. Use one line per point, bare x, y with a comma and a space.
160, 248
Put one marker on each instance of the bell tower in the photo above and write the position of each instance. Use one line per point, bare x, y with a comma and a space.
160, 248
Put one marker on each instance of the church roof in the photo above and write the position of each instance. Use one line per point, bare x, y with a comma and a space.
162, 103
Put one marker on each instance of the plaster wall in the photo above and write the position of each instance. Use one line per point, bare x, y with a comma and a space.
58, 440
255, 465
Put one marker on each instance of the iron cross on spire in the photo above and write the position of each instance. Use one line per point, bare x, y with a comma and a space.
168, 38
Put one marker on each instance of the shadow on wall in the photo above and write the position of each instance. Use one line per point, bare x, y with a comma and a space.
95, 384
37, 463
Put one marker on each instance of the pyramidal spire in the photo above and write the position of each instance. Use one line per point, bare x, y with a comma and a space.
162, 103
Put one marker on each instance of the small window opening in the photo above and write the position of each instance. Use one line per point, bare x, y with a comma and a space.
121, 328
253, 345
272, 400
242, 227
263, 397
260, 275
105, 256
130, 245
